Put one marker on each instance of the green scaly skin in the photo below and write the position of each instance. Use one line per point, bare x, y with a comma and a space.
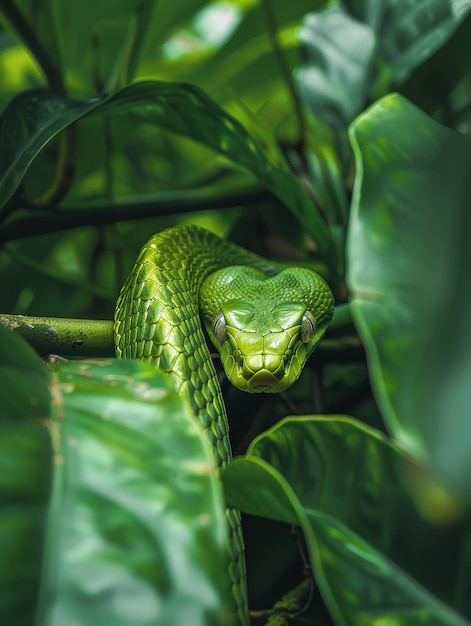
265, 322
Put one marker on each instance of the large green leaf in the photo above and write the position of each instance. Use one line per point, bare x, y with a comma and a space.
334, 80
408, 255
413, 35
137, 529
374, 556
28, 123
354, 46
431, 85
335, 75
408, 34
183, 109
25, 477
354, 50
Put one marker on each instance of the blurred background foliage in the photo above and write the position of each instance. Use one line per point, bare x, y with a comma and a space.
270, 122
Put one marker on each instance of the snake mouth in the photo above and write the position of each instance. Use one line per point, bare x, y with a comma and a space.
263, 382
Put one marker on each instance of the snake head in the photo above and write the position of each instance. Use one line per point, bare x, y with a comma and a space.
265, 327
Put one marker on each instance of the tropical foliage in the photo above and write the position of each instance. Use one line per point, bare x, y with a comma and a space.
333, 134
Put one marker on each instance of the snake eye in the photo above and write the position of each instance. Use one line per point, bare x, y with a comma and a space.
219, 327
308, 327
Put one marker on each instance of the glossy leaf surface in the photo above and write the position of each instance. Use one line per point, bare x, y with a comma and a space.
25, 477
28, 124
137, 530
25, 480
187, 110
338, 58
374, 555
408, 253
181, 108
408, 34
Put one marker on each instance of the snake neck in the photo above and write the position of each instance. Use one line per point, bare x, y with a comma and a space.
157, 319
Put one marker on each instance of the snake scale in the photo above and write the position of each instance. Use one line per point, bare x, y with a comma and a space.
263, 319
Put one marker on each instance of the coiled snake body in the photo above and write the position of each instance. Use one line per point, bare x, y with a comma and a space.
263, 320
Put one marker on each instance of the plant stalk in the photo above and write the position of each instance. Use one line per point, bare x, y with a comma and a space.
64, 336
86, 338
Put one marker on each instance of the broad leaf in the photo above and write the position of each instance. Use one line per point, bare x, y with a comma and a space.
183, 109
355, 47
408, 255
374, 556
28, 123
25, 477
137, 529
335, 75
334, 80
432, 84
186, 110
408, 34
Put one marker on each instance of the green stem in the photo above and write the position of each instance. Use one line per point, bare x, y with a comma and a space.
143, 15
64, 174
297, 106
63, 336
105, 212
284, 69
94, 338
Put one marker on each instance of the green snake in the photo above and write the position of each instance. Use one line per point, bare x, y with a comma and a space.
264, 320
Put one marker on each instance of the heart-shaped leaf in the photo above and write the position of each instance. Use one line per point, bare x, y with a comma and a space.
29, 124
373, 554
408, 254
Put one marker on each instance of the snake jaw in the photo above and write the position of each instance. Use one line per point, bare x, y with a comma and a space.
264, 371
263, 382
266, 364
